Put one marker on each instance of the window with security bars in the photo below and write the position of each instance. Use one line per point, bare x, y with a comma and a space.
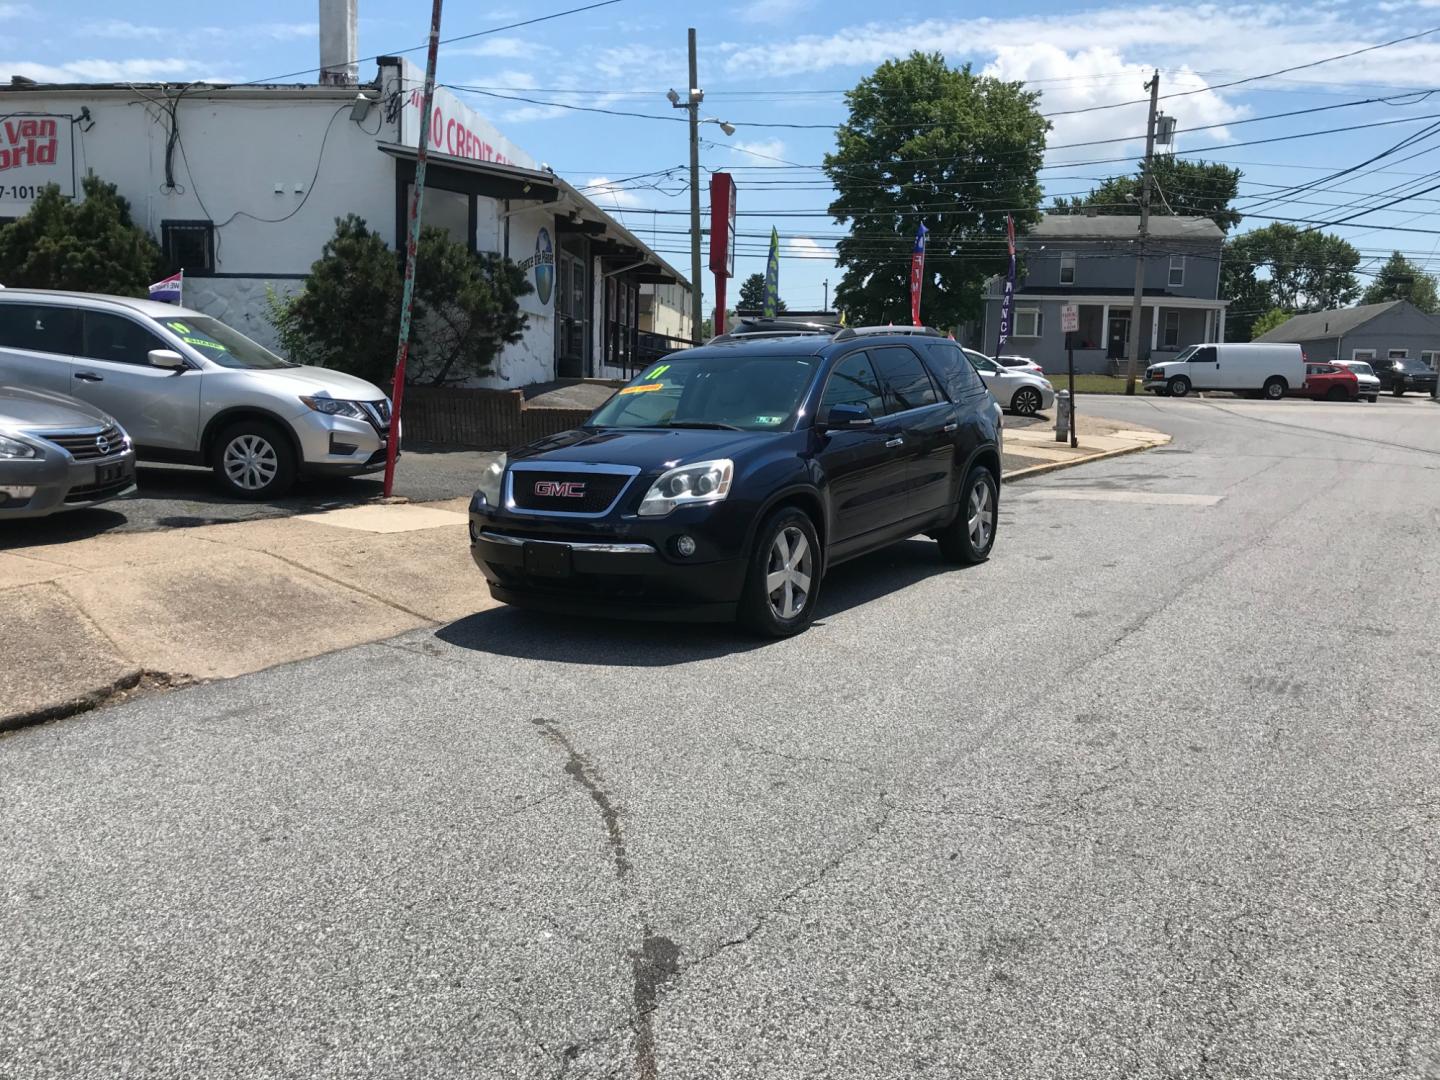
188, 246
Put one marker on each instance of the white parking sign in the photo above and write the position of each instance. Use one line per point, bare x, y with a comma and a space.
1070, 318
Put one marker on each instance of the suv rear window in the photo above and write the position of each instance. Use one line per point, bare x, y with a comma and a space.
906, 383
40, 328
951, 369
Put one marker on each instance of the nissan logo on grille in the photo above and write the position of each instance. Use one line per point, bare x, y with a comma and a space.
560, 489
102, 444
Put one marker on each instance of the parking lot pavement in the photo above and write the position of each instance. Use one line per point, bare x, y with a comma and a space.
1151, 793
169, 497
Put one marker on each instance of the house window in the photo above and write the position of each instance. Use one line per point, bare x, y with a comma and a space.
1067, 268
1362, 354
1027, 322
1398, 354
1172, 329
1177, 269
1431, 360
188, 246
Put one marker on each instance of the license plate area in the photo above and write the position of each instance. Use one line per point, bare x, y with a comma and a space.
111, 474
549, 560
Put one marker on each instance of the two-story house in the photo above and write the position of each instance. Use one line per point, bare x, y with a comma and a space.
1089, 260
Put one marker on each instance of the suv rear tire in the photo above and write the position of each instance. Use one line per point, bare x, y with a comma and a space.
969, 538
253, 459
784, 576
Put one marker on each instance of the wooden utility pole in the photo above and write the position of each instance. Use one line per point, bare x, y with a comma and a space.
1137, 307
412, 247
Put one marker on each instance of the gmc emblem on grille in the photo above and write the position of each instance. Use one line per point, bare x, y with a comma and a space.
556, 489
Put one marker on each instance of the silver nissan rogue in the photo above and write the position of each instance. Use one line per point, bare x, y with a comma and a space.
191, 390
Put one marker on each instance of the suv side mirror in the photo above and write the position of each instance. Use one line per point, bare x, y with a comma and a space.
842, 417
168, 359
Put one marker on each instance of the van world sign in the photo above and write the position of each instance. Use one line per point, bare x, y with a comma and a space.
35, 150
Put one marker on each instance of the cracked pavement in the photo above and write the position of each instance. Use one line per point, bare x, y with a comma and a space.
1153, 793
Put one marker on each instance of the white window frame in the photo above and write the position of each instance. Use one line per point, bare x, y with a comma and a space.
1067, 262
1169, 342
1039, 322
1177, 262
1397, 354
1367, 355
1431, 359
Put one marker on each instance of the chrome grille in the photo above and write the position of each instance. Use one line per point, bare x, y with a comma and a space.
88, 445
378, 413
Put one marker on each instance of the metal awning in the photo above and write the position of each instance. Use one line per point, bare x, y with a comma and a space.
488, 178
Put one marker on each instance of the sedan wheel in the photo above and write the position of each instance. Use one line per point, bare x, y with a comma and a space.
1026, 401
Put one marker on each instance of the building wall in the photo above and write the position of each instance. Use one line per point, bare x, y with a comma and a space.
669, 312
1404, 327
1110, 265
1048, 350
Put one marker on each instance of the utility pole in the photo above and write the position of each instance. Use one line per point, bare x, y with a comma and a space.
412, 246
1137, 308
693, 97
827, 295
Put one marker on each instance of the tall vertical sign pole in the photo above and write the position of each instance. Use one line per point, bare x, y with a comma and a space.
412, 245
693, 100
1136, 308
1070, 322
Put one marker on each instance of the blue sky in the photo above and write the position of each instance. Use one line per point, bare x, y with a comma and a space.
771, 62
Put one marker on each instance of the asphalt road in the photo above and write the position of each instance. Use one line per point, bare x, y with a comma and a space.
1152, 793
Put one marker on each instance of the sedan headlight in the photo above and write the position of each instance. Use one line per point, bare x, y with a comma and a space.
490, 480
14, 449
703, 482
335, 406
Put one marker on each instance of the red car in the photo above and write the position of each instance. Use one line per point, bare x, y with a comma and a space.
1330, 382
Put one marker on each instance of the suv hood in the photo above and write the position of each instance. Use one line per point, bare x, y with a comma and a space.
319, 380
24, 409
645, 448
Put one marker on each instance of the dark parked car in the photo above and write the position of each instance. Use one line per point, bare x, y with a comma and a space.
725, 481
1398, 374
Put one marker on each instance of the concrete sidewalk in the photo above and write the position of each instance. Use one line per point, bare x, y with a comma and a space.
84, 621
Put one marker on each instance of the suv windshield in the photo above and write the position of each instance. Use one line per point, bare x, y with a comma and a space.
747, 393
220, 344
1414, 367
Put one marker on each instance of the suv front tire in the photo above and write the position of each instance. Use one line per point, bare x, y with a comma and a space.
783, 583
254, 459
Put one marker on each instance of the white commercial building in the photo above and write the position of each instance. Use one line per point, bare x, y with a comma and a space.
242, 186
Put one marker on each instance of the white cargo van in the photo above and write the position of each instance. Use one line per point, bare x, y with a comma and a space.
1258, 369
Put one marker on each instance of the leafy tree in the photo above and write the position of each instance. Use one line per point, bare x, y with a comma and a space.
347, 316
929, 143
91, 245
1269, 321
1400, 279
752, 295
1183, 187
1304, 271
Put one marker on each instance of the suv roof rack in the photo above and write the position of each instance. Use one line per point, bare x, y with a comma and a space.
762, 327
865, 331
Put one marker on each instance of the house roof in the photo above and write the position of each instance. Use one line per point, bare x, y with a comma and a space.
1313, 325
1123, 227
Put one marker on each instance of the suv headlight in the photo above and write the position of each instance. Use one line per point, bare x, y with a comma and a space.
334, 406
12, 449
703, 482
490, 481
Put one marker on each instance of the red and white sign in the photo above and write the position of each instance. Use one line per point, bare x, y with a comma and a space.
35, 149
722, 224
455, 128
1069, 318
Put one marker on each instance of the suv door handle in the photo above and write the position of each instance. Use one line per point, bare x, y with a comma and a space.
898, 440
950, 427
87, 376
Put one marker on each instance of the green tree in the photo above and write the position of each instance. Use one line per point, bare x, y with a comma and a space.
347, 315
928, 143
1269, 321
1400, 279
1181, 187
91, 245
1303, 270
752, 295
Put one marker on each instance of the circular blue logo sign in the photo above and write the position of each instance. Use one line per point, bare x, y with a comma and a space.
544, 267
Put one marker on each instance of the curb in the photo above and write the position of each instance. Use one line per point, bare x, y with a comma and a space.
1053, 466
138, 681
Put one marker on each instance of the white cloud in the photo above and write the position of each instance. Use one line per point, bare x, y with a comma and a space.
768, 149
505, 48
602, 191
802, 247
137, 70
123, 30
772, 11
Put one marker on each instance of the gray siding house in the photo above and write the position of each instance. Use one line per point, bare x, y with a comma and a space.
1369, 332
1089, 260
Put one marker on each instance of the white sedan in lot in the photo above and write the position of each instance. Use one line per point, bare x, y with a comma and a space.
1015, 389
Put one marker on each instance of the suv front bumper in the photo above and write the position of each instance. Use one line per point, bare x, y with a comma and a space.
338, 445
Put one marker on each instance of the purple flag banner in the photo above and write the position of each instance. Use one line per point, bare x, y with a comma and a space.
1007, 298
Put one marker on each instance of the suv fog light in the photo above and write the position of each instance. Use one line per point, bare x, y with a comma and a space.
341, 449
685, 546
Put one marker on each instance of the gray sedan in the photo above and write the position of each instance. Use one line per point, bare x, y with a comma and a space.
1015, 389
57, 453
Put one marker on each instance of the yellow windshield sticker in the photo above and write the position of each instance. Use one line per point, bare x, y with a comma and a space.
644, 388
178, 327
202, 343
658, 371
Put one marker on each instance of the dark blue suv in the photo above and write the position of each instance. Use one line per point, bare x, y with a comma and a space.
725, 481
